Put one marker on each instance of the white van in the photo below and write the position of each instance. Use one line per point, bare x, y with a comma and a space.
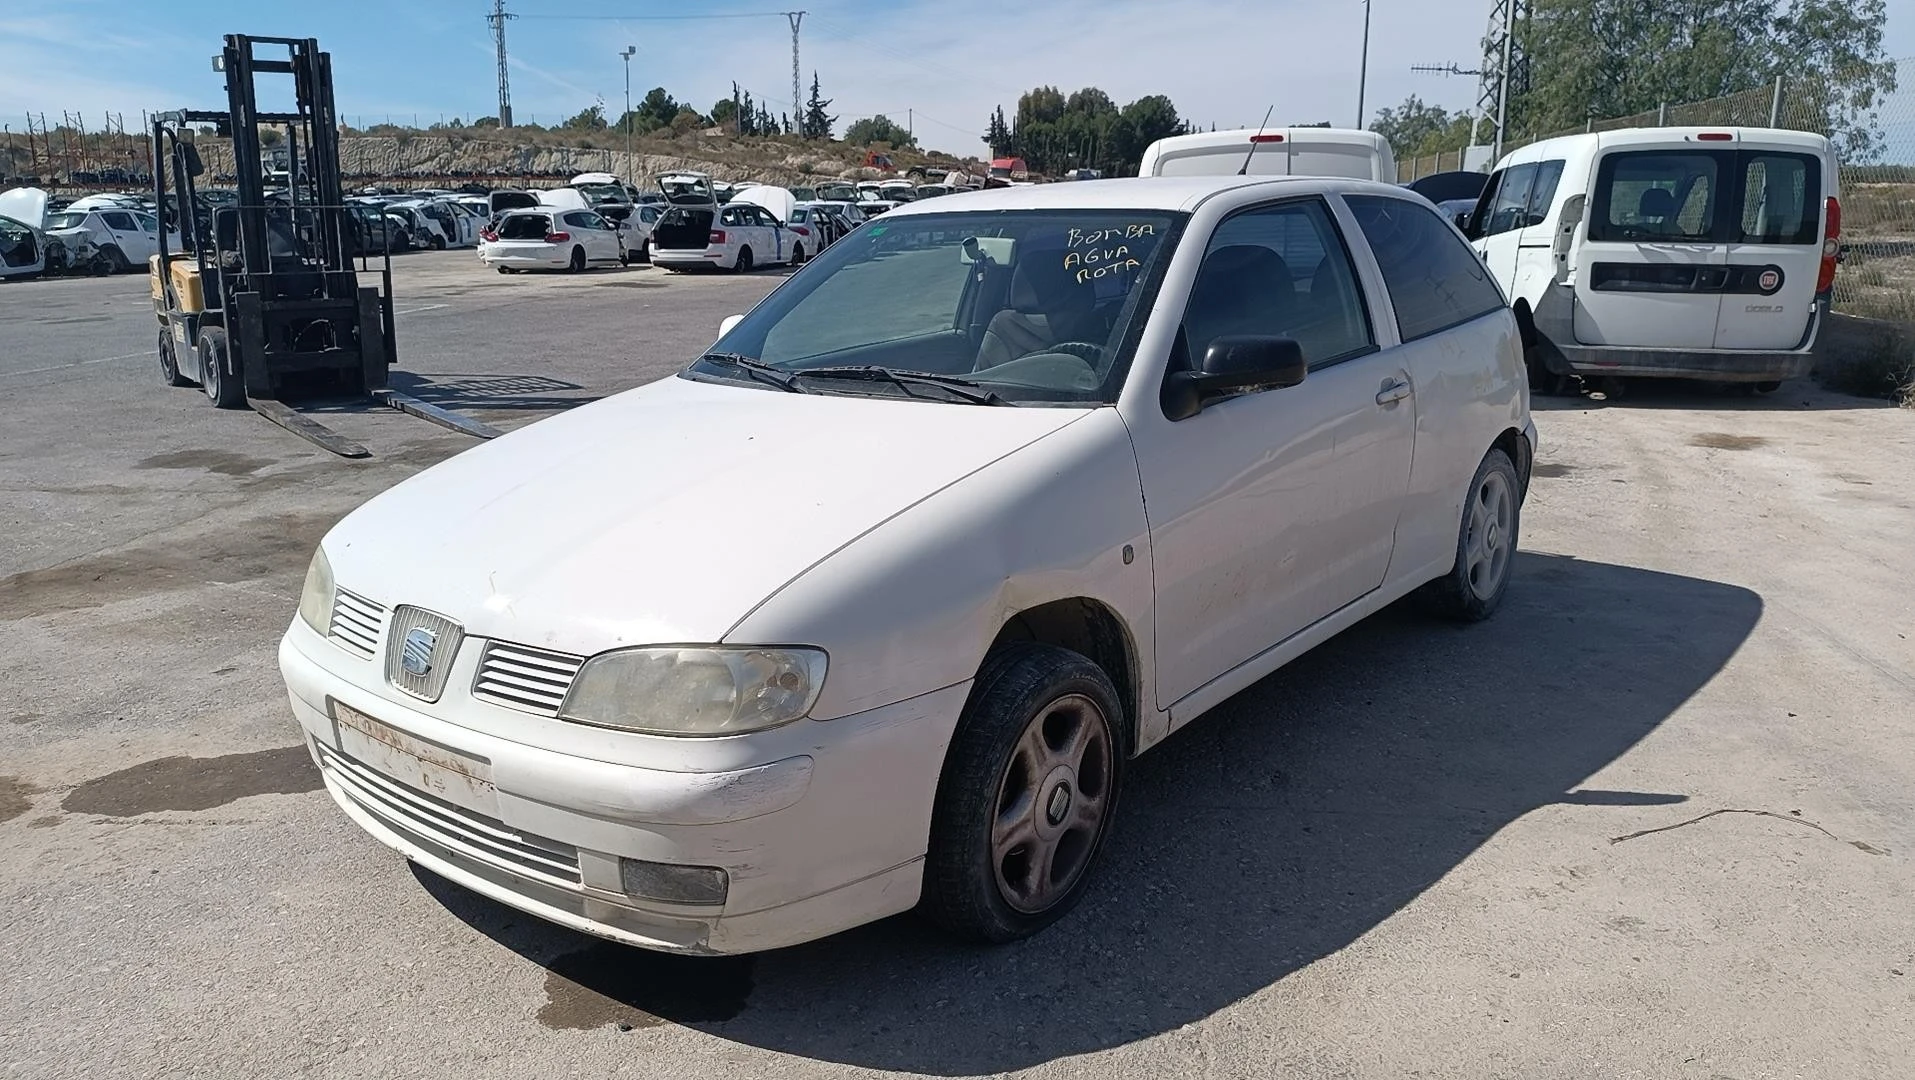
1308, 151
1702, 253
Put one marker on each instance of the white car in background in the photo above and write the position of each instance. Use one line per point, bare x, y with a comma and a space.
126, 238
741, 235
551, 239
635, 232
26, 249
871, 607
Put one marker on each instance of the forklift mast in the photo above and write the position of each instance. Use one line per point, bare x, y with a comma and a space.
312, 147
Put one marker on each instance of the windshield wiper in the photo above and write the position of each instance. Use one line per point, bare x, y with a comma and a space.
756, 369
904, 380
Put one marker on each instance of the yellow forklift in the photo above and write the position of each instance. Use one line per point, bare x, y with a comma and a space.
264, 303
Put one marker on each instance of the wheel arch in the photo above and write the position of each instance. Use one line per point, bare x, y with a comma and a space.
1515, 445
1092, 629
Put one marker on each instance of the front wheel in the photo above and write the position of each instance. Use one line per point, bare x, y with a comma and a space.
438, 243
1027, 794
1485, 545
224, 388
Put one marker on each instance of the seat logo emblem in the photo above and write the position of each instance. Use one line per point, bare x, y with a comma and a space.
415, 655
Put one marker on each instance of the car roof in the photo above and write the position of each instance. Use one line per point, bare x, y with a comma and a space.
1137, 193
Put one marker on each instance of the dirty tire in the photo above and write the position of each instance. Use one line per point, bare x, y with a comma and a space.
121, 264
169, 363
223, 388
993, 766
1544, 382
743, 265
577, 265
438, 243
1485, 546
503, 269
797, 254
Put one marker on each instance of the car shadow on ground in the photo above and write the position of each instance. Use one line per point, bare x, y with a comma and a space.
1793, 396
1278, 830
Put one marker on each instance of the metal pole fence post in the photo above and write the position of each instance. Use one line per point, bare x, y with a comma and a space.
1775, 104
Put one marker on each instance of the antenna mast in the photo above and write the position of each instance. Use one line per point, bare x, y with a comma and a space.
497, 19
1505, 67
797, 103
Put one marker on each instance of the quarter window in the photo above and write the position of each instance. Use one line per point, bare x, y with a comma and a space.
1435, 280
1279, 271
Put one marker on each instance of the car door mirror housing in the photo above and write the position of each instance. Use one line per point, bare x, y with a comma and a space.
730, 321
1232, 363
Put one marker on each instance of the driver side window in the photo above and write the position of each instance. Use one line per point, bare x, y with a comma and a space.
1278, 271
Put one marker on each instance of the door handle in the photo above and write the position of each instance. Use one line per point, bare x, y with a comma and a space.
1393, 391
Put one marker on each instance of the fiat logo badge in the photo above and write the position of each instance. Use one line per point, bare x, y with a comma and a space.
1770, 280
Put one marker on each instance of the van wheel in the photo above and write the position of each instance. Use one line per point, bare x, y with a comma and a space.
1485, 546
1027, 794
225, 389
169, 362
743, 265
577, 265
1544, 382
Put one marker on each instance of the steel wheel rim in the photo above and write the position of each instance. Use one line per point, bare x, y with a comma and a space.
1488, 547
1051, 805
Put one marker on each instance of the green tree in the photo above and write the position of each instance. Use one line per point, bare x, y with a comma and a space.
816, 122
486, 122
591, 118
724, 111
1592, 59
997, 133
1054, 133
1408, 126
879, 129
658, 110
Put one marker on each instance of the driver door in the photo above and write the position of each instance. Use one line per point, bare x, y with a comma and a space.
1271, 509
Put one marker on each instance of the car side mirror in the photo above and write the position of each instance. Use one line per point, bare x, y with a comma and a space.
1462, 221
194, 166
1237, 362
730, 321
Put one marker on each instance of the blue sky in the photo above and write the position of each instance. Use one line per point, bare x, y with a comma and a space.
947, 61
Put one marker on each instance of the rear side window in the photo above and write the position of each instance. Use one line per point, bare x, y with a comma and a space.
1657, 195
1435, 280
120, 220
1781, 199
524, 227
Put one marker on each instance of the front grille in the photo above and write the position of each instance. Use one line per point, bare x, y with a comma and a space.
521, 677
355, 623
420, 816
426, 636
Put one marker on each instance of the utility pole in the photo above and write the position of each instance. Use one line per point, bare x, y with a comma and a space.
795, 17
627, 118
1363, 69
497, 19
1502, 62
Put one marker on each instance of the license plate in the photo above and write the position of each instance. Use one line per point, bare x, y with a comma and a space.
458, 778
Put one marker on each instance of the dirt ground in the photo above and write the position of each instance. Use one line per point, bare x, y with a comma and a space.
1656, 819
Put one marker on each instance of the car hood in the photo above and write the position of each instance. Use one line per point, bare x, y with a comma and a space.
775, 199
25, 205
664, 514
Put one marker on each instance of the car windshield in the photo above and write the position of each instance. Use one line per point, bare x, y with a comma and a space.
67, 220
524, 227
1027, 307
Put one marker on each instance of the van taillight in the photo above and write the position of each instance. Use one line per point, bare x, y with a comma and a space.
1266, 138
717, 236
557, 237
1831, 245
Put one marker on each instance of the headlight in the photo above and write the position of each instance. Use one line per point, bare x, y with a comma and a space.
315, 600
715, 690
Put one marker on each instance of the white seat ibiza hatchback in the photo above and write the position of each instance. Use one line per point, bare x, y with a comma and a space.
868, 608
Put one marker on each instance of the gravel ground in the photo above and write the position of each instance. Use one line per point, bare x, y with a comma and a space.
1654, 820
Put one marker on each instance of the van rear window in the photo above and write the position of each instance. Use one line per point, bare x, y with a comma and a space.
1707, 196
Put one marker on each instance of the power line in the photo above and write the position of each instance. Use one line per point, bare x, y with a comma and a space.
659, 18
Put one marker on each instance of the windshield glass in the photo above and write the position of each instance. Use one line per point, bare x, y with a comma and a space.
1031, 306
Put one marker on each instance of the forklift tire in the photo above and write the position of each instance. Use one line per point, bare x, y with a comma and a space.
224, 388
169, 363
577, 265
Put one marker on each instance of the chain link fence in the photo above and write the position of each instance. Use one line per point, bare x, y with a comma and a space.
1877, 277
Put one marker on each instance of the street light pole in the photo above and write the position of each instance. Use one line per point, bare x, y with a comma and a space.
1363, 72
626, 120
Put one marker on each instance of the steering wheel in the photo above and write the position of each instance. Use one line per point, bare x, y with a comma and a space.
1083, 350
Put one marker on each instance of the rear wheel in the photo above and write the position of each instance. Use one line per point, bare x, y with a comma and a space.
117, 258
797, 254
169, 362
1485, 545
223, 387
1543, 381
743, 265
505, 269
1027, 793
577, 265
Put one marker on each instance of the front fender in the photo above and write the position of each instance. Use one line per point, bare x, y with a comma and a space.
912, 606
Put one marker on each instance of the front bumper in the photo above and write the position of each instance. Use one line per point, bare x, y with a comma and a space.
811, 843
